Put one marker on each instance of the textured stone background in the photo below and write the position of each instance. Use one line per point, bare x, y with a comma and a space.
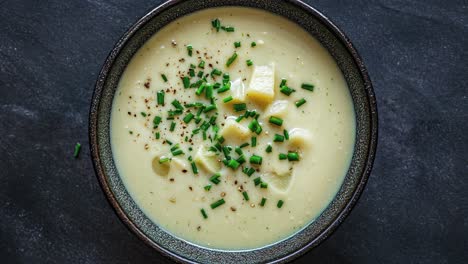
414, 209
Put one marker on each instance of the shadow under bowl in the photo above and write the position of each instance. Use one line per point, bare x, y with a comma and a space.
355, 74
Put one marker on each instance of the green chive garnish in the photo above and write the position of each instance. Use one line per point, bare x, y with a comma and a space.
280, 204
209, 108
286, 90
177, 104
253, 141
283, 82
268, 148
192, 73
293, 156
217, 203
264, 185
234, 164
216, 72
160, 97
308, 87
237, 44
188, 118
226, 87
209, 91
215, 178
286, 134
241, 159
253, 44
246, 196
262, 203
204, 213
257, 181
163, 160
239, 151
186, 81
207, 187
278, 138
282, 156
228, 29
189, 50
201, 89
255, 159
249, 62
201, 64
77, 150
143, 114
194, 167
244, 145
248, 171
169, 142
240, 107
173, 124
156, 121
227, 99
200, 74
216, 24
231, 59
276, 120
300, 102
177, 152
163, 76
158, 135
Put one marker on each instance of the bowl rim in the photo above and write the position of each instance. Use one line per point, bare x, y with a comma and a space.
101, 175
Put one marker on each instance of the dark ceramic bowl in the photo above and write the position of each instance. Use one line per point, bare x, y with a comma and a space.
366, 133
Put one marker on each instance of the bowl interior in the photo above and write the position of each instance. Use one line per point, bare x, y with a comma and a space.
366, 132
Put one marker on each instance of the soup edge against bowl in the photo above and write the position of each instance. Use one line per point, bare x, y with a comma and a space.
365, 111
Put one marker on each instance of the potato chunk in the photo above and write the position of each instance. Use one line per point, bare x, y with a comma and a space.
232, 129
278, 108
279, 182
207, 160
261, 89
300, 138
237, 91
161, 169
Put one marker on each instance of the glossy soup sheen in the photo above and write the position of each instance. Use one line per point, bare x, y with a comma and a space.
321, 131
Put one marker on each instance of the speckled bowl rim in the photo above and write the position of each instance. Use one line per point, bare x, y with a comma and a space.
313, 241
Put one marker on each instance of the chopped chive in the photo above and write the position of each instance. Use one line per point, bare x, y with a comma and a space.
176, 146
160, 97
201, 64
192, 72
268, 149
209, 91
231, 59
249, 171
280, 204
200, 74
163, 76
186, 81
225, 88
177, 104
227, 99
216, 86
262, 203
189, 50
169, 142
300, 102
308, 87
201, 89
237, 44
286, 134
234, 164
163, 160
173, 124
276, 120
216, 24
278, 138
188, 118
253, 141
240, 107
226, 152
177, 152
156, 121
283, 82
130, 132
255, 159
239, 118
143, 114
228, 29
293, 156
241, 159
207, 187
249, 62
215, 72
264, 185
158, 135
213, 120
244, 145
246, 196
204, 213
257, 181
76, 152
253, 44
217, 203
192, 66
209, 108
215, 178
238, 150
282, 156
221, 139
204, 135
286, 90
194, 167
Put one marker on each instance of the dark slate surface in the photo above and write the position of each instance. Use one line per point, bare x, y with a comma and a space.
414, 209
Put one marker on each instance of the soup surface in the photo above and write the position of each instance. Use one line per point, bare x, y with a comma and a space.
232, 128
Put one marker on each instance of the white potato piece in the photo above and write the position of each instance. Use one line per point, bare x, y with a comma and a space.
262, 84
237, 91
207, 160
161, 169
279, 182
278, 108
232, 129
300, 138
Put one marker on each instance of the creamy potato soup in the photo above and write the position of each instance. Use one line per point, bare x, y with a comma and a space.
232, 128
